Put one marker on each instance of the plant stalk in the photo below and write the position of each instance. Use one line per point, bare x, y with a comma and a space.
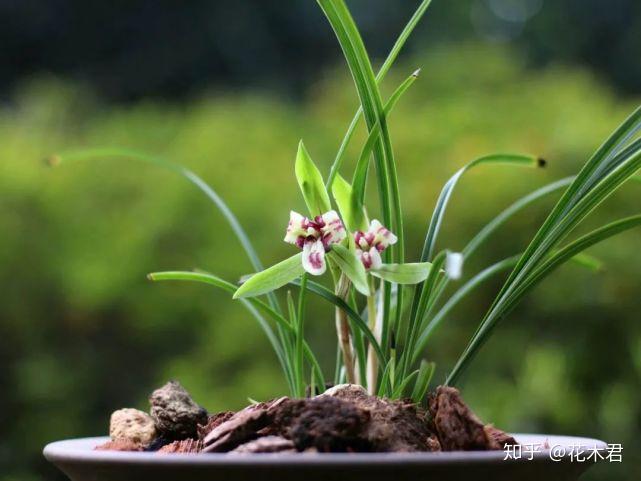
374, 325
300, 332
343, 332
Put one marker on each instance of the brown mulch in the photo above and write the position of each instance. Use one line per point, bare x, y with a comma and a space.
342, 419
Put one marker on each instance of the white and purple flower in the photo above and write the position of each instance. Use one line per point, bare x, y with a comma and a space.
370, 244
315, 237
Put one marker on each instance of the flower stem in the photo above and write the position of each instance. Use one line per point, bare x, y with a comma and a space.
300, 367
372, 362
342, 331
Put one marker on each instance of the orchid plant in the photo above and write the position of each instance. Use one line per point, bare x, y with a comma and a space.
358, 263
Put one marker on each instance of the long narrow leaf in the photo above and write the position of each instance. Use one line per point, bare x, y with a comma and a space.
460, 294
361, 69
358, 321
594, 170
441, 206
359, 180
253, 305
570, 252
492, 226
387, 64
425, 374
517, 160
502, 308
211, 194
551, 235
414, 323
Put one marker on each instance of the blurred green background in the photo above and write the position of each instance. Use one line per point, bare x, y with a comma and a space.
82, 332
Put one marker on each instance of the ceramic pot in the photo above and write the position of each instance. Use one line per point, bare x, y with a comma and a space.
78, 460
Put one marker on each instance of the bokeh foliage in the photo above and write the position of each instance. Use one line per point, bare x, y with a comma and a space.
83, 332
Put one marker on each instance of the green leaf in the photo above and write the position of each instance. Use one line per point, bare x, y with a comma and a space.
456, 297
362, 165
409, 273
352, 266
190, 176
514, 291
385, 388
353, 215
361, 69
415, 324
416, 315
425, 374
253, 306
311, 183
357, 320
517, 160
366, 85
272, 278
589, 262
597, 172
570, 252
400, 389
389, 61
491, 227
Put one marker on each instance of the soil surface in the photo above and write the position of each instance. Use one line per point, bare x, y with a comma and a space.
342, 419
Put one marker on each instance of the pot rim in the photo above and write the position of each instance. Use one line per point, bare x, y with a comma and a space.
81, 450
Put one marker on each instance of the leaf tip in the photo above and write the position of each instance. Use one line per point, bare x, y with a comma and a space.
416, 73
151, 277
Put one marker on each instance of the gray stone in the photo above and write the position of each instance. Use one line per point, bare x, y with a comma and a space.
175, 413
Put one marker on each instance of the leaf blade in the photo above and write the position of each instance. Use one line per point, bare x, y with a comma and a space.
352, 266
310, 181
408, 273
352, 214
272, 278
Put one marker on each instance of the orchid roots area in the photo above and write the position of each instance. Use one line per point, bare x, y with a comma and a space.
343, 419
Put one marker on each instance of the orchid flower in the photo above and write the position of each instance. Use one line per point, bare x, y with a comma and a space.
315, 238
370, 244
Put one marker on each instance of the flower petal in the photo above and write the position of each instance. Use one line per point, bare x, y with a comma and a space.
296, 228
375, 258
314, 257
381, 234
333, 230
371, 259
